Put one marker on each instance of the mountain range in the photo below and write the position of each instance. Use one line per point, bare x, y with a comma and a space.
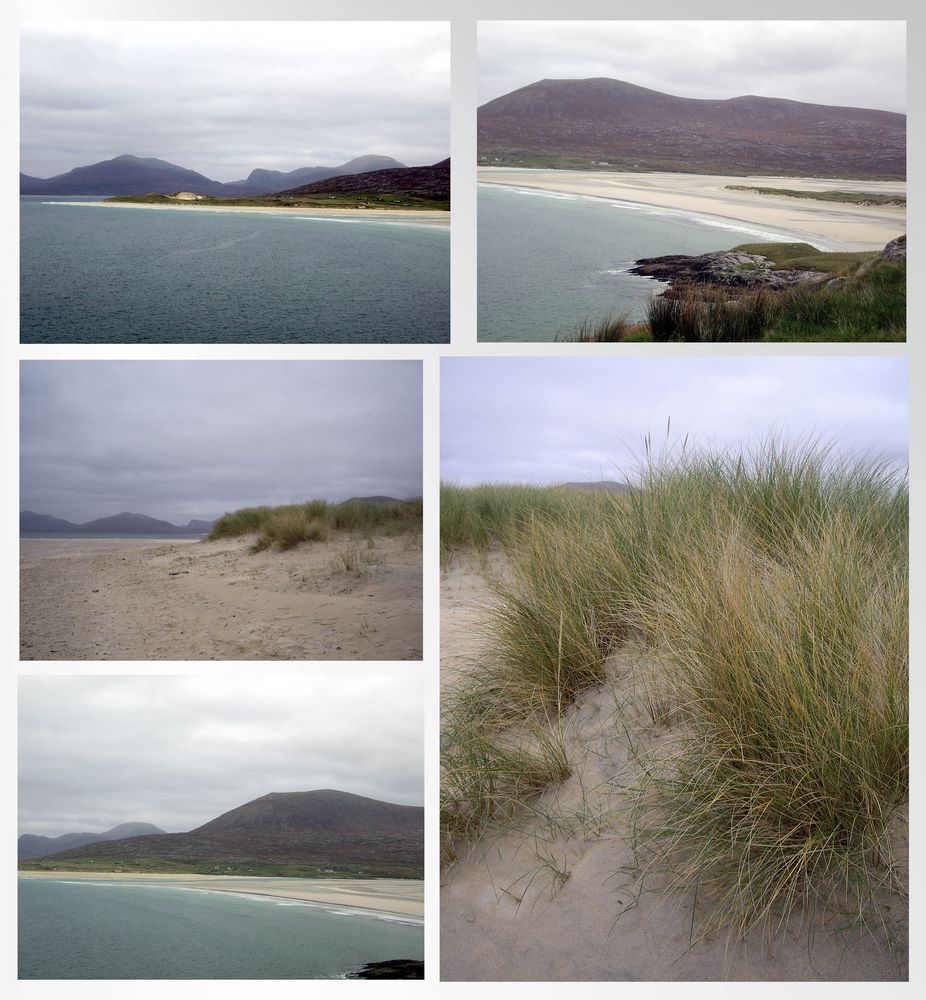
31, 845
617, 125
139, 175
116, 524
325, 829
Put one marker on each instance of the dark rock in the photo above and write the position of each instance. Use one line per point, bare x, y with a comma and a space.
398, 968
727, 268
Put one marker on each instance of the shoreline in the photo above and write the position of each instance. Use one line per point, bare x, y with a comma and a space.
398, 216
704, 199
354, 894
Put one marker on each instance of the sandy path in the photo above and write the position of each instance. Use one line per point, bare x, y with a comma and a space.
399, 896
126, 599
827, 224
425, 217
545, 898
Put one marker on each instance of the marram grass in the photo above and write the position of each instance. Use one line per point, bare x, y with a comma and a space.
776, 584
293, 524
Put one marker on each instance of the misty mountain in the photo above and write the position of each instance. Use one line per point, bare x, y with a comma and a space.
115, 524
422, 182
127, 175
622, 126
599, 486
323, 828
261, 182
122, 175
33, 846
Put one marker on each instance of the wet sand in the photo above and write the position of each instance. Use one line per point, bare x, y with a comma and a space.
131, 599
552, 896
403, 897
828, 225
424, 217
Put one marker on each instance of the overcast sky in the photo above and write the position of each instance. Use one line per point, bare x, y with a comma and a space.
547, 420
194, 439
178, 751
226, 97
850, 63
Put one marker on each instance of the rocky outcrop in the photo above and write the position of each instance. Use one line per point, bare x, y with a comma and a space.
399, 968
727, 268
896, 251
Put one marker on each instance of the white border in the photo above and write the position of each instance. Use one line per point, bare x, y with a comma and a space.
463, 17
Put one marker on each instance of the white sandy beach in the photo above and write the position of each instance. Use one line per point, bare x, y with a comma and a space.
403, 897
131, 599
828, 225
424, 217
553, 895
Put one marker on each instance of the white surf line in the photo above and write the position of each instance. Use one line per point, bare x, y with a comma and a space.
438, 226
338, 909
699, 218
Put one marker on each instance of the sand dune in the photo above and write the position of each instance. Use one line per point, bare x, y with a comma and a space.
544, 897
127, 599
828, 225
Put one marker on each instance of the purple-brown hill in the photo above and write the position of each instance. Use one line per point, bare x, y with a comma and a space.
420, 182
285, 832
609, 122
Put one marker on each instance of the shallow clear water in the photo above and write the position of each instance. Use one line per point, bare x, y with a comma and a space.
133, 275
112, 930
548, 261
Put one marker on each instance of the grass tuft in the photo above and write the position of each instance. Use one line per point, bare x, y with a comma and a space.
776, 584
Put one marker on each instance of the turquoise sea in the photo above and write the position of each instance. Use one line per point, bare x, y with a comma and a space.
93, 275
113, 930
548, 261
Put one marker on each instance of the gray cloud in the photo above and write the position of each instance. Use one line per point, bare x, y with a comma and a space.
226, 97
178, 751
545, 420
850, 63
184, 439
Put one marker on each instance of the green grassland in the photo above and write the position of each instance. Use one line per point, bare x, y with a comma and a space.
861, 304
168, 866
771, 588
355, 201
844, 197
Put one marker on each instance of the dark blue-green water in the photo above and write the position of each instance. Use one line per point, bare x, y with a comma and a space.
93, 275
112, 930
548, 261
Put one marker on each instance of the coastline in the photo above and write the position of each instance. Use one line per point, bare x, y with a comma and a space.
398, 216
702, 197
380, 896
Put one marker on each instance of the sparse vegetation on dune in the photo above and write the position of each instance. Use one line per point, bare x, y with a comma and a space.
845, 197
292, 524
774, 585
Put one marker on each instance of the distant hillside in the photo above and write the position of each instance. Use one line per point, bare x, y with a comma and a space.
324, 830
610, 123
373, 501
601, 486
116, 524
132, 175
122, 175
267, 181
420, 182
33, 846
